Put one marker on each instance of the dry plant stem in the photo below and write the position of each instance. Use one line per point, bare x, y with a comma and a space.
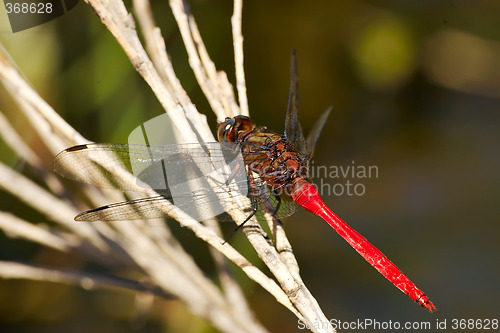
295, 289
211, 237
58, 134
27, 98
231, 289
156, 266
206, 74
166, 267
170, 271
15, 227
306, 304
144, 15
14, 141
13, 270
121, 24
155, 45
151, 253
205, 77
238, 56
282, 244
55, 209
297, 292
181, 260
172, 249
56, 239
253, 272
147, 24
218, 240
285, 250
224, 90
199, 293
169, 276
177, 261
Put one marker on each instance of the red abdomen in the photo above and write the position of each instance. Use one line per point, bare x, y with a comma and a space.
306, 196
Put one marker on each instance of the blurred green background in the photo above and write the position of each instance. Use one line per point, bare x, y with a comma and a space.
415, 87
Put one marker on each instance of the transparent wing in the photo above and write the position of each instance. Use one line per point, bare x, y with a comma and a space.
202, 180
198, 177
103, 165
293, 130
144, 208
313, 136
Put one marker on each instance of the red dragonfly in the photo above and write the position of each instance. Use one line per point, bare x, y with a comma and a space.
256, 164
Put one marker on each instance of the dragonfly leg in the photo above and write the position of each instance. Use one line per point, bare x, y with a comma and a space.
254, 211
237, 169
253, 193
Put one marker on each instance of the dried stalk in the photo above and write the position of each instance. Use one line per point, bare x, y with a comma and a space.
238, 56
12, 270
135, 244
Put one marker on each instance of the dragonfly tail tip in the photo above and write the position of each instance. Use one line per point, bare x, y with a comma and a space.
428, 305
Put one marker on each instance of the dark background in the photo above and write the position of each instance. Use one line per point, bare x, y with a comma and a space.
415, 87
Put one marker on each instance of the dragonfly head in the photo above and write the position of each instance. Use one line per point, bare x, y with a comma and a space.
228, 129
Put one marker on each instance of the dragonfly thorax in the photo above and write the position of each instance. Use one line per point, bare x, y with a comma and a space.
272, 157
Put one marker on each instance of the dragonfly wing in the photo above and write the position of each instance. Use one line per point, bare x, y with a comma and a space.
202, 180
279, 206
143, 208
200, 205
157, 167
102, 165
293, 130
313, 136
270, 201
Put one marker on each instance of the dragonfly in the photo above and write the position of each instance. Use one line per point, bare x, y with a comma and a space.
251, 170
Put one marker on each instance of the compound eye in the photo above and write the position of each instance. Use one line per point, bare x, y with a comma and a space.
225, 129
